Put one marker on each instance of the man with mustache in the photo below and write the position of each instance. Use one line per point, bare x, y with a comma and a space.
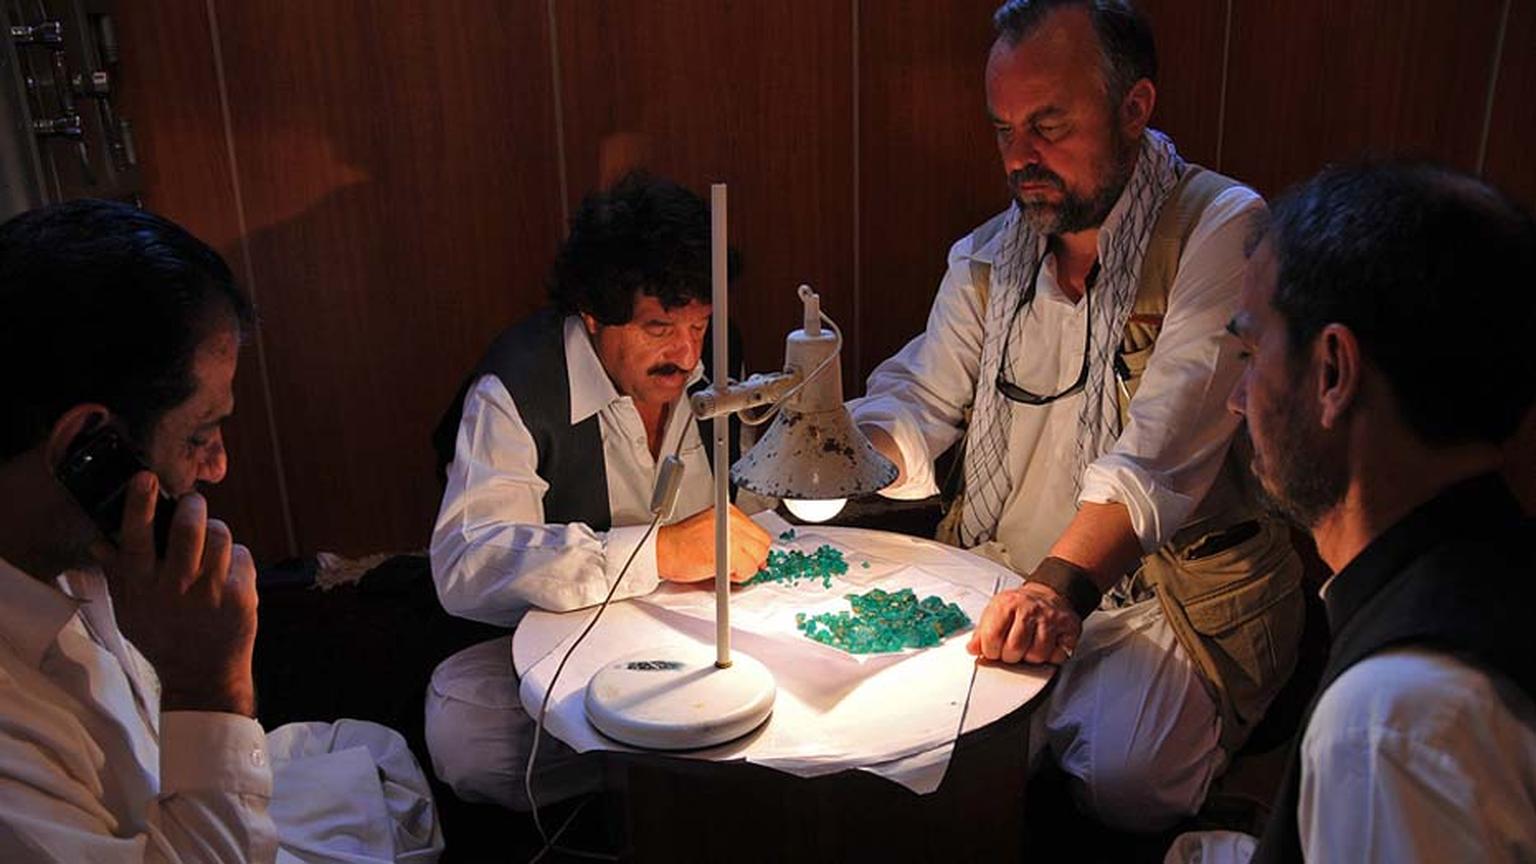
1076, 342
563, 429
1379, 389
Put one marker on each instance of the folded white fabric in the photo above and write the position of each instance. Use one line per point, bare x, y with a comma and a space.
350, 791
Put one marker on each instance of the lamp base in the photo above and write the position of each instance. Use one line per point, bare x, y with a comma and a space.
678, 699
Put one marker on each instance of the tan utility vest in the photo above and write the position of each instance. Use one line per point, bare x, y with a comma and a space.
1238, 612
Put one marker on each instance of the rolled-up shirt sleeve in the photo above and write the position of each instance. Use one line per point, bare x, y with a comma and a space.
493, 555
919, 396
1170, 452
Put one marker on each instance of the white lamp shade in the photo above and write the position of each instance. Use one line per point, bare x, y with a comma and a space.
816, 456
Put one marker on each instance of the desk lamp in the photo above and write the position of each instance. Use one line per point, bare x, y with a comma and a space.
675, 698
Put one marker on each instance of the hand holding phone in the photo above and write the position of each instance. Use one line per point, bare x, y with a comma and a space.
97, 469
191, 611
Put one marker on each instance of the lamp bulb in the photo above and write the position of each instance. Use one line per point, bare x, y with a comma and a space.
815, 510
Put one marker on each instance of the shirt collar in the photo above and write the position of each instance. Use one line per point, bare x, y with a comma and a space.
987, 252
591, 388
32, 612
1478, 504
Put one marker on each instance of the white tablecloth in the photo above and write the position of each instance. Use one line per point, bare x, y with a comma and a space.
896, 715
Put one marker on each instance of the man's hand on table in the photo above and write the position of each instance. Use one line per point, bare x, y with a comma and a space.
685, 551
1041, 621
1030, 624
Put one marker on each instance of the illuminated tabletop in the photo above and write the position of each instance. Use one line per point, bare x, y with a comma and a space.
894, 715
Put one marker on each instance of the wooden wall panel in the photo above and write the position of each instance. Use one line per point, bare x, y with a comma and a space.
928, 164
1509, 164
755, 94
1314, 81
1511, 155
402, 188
170, 92
399, 180
1190, 38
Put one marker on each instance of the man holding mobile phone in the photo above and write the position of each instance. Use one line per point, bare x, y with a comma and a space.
127, 701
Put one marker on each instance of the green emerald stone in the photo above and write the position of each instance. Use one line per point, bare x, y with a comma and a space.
791, 567
883, 621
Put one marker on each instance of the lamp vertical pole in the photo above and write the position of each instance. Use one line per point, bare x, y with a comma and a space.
722, 466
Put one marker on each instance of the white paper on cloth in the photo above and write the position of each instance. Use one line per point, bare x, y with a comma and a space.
770, 608
904, 709
896, 715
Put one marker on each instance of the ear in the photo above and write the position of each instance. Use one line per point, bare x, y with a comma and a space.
1339, 370
590, 323
71, 425
1136, 108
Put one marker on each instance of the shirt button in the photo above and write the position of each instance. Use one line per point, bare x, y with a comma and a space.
259, 758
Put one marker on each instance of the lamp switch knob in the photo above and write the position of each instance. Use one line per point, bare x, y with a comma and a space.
668, 482
812, 310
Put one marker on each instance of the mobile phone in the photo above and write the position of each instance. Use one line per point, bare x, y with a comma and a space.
96, 471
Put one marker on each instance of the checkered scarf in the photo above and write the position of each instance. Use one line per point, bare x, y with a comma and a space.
1122, 245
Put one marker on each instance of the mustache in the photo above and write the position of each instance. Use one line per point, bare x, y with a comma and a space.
666, 369
1035, 174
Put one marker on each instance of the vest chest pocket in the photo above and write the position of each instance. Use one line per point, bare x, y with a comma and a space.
1135, 351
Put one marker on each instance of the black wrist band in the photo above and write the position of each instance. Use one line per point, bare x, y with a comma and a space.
1071, 582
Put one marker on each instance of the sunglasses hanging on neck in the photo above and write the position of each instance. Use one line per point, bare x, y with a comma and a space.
1022, 395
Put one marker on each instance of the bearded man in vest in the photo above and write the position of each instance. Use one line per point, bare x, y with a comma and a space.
1387, 317
1077, 344
564, 426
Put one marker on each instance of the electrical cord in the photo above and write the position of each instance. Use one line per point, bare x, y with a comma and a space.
821, 367
555, 837
662, 502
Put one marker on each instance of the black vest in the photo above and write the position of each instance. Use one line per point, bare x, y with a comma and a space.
1456, 576
529, 360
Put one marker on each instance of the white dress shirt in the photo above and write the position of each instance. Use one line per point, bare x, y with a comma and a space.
1410, 756
90, 769
1169, 454
493, 554
1413, 755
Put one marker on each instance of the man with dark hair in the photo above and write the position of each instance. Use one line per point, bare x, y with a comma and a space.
126, 693
562, 433
1093, 463
1386, 317
112, 316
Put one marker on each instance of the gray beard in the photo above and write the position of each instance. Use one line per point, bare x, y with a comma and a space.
1075, 213
1079, 213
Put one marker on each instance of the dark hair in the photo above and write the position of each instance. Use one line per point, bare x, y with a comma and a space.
1126, 47
646, 235
1431, 270
102, 302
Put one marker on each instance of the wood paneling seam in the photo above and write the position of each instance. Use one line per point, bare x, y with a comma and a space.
554, 77
291, 535
1493, 83
858, 241
1221, 107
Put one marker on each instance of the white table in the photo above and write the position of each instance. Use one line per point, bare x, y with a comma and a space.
996, 690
